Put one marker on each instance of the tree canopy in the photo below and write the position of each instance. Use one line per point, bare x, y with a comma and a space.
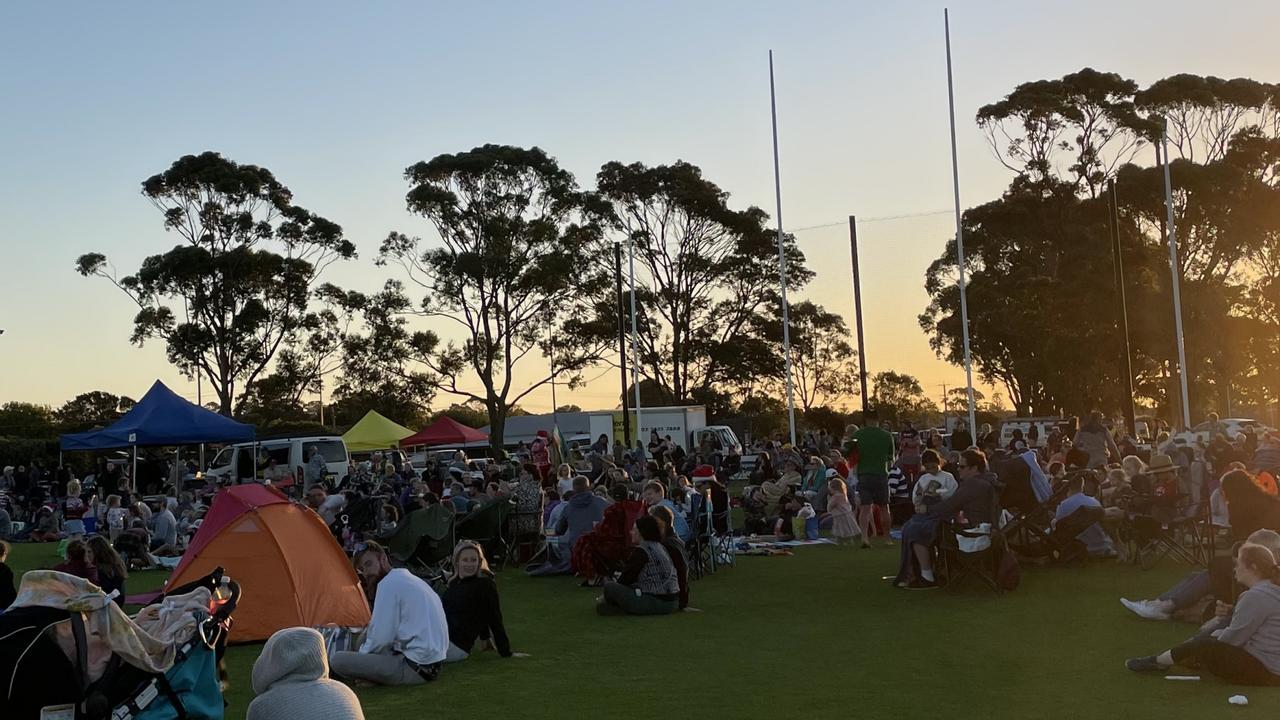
238, 288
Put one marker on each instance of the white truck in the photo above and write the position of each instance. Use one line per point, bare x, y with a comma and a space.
686, 424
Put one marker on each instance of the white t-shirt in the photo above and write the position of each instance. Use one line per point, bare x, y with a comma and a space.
564, 485
942, 483
408, 619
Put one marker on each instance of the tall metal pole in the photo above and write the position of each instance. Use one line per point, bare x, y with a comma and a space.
1126, 365
857, 310
551, 355
955, 181
782, 259
1177, 292
200, 402
1172, 387
622, 343
635, 340
321, 400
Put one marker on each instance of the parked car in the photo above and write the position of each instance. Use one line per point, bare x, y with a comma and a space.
1228, 426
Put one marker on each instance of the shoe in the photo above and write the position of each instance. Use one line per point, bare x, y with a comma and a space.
1144, 664
1145, 609
866, 546
922, 584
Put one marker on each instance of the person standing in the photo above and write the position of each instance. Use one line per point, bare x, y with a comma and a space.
875, 453
316, 468
1096, 440
909, 447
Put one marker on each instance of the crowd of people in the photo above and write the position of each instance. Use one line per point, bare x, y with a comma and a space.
1094, 482
624, 520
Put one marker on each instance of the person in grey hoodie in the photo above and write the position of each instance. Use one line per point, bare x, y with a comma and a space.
291, 679
585, 509
1246, 652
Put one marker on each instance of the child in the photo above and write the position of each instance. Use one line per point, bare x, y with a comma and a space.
934, 485
115, 517
844, 527
783, 527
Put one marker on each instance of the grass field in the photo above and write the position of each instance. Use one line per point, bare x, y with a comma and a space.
817, 635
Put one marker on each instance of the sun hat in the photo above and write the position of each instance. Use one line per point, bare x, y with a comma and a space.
1160, 463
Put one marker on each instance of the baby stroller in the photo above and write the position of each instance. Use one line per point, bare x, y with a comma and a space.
68, 651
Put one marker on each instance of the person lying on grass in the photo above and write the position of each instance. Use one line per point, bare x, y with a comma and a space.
408, 636
974, 496
648, 584
471, 605
1246, 652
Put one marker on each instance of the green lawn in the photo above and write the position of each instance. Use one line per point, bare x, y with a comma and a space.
817, 635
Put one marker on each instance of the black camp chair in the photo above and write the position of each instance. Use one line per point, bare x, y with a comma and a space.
423, 542
1167, 521
489, 526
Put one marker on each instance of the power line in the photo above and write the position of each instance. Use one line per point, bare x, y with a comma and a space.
882, 218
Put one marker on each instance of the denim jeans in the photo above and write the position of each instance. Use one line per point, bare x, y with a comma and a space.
1189, 590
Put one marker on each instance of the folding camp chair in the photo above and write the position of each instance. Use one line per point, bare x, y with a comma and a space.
719, 522
700, 547
424, 540
526, 546
489, 526
968, 552
1167, 519
1028, 531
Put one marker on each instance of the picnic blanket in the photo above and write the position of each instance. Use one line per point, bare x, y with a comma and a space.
769, 546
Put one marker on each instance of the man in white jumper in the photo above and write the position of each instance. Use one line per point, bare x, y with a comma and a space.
407, 638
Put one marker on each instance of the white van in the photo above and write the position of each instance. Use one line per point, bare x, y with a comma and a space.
234, 464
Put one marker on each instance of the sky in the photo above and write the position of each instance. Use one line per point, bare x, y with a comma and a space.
338, 98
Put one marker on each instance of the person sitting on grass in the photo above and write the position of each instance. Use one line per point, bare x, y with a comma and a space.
655, 494
974, 496
471, 605
648, 584
601, 551
1217, 582
112, 571
675, 549
1095, 539
291, 680
577, 515
79, 562
8, 592
1247, 652
408, 636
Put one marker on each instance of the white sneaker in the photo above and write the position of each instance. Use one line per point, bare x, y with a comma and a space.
1146, 609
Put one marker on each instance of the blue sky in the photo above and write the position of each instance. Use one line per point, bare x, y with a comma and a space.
338, 98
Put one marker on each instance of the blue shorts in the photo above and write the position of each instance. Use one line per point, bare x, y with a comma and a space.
873, 488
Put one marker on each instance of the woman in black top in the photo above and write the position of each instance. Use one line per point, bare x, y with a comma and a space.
471, 605
112, 571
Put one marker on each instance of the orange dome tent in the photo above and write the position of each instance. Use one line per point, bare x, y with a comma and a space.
290, 569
